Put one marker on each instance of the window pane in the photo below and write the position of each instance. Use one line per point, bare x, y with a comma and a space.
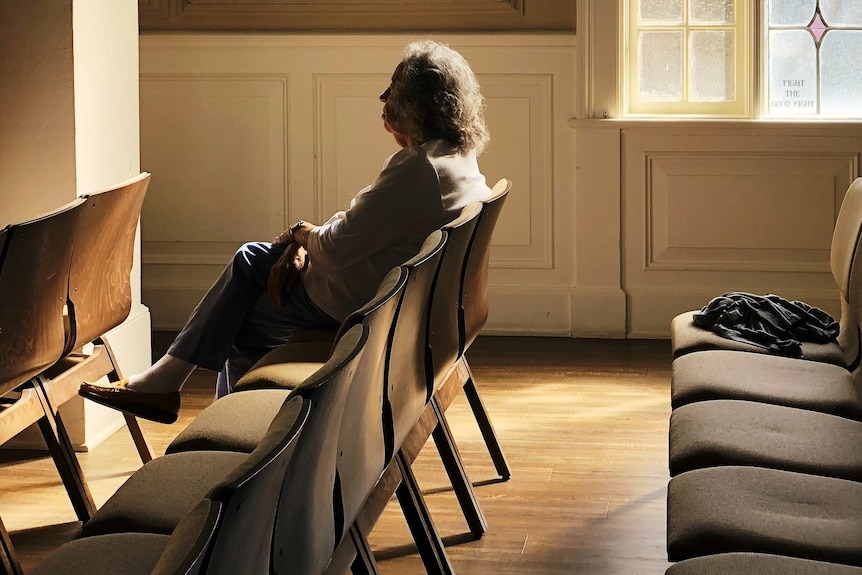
841, 12
711, 66
703, 12
660, 69
792, 73
791, 12
660, 11
840, 75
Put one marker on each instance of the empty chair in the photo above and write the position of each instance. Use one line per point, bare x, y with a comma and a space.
34, 264
687, 338
759, 510
79, 257
471, 312
733, 432
100, 293
145, 502
34, 279
407, 381
719, 374
182, 553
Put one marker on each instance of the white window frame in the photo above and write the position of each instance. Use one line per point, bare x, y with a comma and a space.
739, 107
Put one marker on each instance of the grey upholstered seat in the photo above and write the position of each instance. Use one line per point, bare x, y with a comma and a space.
160, 493
155, 497
753, 509
181, 553
758, 564
720, 374
294, 361
246, 419
733, 432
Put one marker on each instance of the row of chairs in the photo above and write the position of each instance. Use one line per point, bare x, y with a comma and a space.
765, 451
290, 472
64, 283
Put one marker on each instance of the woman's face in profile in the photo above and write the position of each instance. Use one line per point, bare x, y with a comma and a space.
390, 113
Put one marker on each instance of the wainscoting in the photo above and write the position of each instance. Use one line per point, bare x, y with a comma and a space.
611, 229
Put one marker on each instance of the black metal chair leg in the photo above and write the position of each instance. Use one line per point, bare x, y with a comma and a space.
428, 541
63, 454
364, 563
454, 466
485, 425
144, 450
8, 558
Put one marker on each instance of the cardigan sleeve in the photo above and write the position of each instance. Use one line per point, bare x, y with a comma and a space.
405, 195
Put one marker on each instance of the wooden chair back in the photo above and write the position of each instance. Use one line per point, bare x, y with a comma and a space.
366, 432
444, 313
34, 276
309, 515
251, 493
409, 383
100, 294
846, 264
474, 283
192, 541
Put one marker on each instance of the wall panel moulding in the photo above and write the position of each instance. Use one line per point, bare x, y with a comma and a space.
357, 17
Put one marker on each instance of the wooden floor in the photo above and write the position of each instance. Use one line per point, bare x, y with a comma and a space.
584, 426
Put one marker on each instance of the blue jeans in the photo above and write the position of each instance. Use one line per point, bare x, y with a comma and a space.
236, 323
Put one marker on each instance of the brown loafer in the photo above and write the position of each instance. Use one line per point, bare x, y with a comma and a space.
160, 407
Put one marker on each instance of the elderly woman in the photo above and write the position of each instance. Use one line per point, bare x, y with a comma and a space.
433, 108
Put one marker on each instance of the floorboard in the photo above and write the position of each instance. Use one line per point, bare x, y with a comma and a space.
584, 426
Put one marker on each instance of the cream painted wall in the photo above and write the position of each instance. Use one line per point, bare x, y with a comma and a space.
37, 115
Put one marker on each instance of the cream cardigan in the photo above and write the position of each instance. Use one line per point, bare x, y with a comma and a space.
420, 189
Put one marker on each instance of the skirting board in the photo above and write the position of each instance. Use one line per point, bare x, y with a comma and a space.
538, 311
562, 312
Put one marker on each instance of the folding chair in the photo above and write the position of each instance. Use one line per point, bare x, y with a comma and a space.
100, 294
34, 265
472, 312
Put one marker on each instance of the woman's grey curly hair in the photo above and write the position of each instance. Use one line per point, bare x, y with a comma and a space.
436, 95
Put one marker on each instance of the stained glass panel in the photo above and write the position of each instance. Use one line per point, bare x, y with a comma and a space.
840, 74
813, 58
792, 73
842, 12
791, 12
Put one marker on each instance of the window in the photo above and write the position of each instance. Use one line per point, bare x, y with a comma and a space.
697, 57
813, 58
687, 57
